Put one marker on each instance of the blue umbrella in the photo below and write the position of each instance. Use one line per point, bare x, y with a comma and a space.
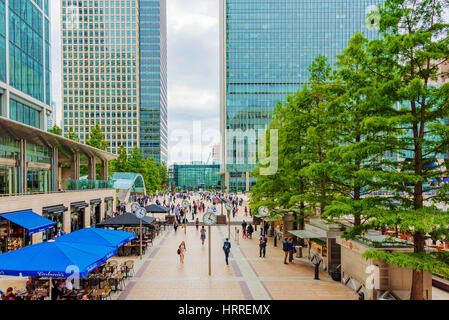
57, 259
104, 237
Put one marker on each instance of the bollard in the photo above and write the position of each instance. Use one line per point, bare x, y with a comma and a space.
317, 271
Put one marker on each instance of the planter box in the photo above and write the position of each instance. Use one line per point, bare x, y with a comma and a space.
336, 276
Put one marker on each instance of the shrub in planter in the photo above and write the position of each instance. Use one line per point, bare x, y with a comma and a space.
335, 274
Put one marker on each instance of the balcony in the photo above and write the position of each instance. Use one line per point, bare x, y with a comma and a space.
79, 185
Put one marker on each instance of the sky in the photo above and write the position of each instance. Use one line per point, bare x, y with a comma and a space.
193, 81
193, 76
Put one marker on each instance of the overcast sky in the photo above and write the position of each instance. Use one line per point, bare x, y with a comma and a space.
193, 76
193, 92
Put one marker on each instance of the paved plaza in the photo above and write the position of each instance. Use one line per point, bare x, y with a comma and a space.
159, 275
247, 277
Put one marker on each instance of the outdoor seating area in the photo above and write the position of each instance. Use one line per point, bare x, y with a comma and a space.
98, 275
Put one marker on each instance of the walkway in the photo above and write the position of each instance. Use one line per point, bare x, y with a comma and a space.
247, 277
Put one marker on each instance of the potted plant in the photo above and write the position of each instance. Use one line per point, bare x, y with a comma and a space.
335, 274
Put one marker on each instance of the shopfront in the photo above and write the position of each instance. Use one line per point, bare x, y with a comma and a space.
9, 171
55, 214
320, 237
95, 212
16, 229
77, 214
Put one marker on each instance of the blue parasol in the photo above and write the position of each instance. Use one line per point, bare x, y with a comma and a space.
98, 236
57, 259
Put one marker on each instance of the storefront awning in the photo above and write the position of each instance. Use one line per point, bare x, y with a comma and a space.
29, 220
54, 209
95, 201
79, 204
305, 234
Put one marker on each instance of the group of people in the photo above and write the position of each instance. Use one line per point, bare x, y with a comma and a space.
289, 249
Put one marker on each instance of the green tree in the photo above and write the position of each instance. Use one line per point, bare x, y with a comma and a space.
411, 127
163, 173
121, 163
96, 138
70, 134
56, 130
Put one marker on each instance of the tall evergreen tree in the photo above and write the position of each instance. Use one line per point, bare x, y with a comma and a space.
56, 130
96, 138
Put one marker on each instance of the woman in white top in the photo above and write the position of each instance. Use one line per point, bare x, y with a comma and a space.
181, 250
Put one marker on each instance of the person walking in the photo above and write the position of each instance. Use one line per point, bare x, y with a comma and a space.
285, 249
175, 225
262, 246
203, 235
290, 250
249, 231
181, 250
197, 223
244, 224
227, 249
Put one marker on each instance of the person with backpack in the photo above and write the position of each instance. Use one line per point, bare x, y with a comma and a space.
285, 249
227, 249
262, 246
291, 249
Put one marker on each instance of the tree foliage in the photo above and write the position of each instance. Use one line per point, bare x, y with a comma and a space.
152, 173
368, 141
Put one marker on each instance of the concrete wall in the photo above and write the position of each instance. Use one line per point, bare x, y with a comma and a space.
38, 201
390, 277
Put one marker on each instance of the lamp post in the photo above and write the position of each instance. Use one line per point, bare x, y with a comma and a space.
209, 219
140, 213
185, 204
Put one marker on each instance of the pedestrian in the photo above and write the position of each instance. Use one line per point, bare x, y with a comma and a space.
244, 224
181, 250
262, 246
197, 223
175, 225
265, 228
249, 231
227, 249
10, 295
285, 249
203, 235
290, 250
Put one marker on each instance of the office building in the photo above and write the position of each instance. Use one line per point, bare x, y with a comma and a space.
265, 50
195, 176
25, 76
114, 72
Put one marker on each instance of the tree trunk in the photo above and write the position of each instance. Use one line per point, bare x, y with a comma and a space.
417, 291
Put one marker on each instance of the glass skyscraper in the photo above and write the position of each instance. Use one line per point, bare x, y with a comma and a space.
25, 76
266, 48
153, 79
113, 65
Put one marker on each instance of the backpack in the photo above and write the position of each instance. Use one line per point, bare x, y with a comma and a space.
226, 246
